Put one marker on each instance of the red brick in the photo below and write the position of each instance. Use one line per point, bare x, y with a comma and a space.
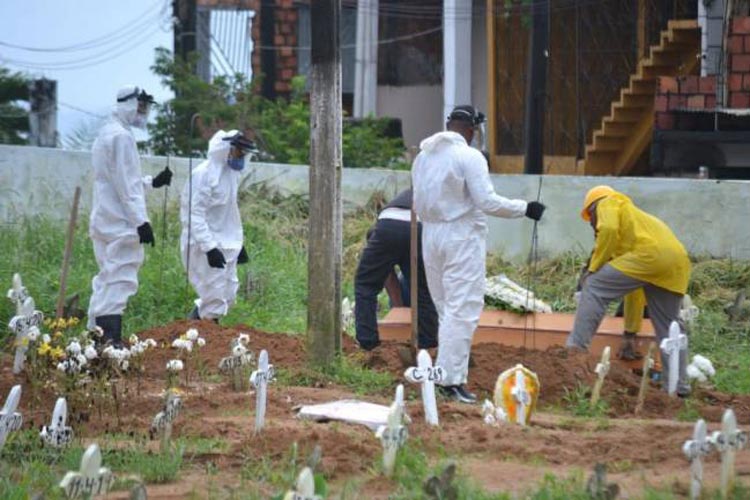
739, 100
696, 101
287, 74
707, 85
736, 44
278, 40
281, 86
660, 103
740, 63
747, 44
688, 84
676, 101
286, 51
746, 82
710, 101
741, 26
735, 81
664, 121
668, 84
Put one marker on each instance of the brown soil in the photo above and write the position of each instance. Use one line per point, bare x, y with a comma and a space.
500, 458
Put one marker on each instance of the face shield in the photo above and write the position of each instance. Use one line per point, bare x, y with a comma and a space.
240, 146
143, 109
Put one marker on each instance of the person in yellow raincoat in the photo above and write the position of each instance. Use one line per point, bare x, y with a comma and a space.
633, 251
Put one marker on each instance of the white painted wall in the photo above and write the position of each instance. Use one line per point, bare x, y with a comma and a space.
709, 217
479, 57
420, 108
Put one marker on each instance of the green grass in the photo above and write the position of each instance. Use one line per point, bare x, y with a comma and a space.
344, 372
578, 402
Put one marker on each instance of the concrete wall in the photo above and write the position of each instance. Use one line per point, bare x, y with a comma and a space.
420, 108
709, 217
479, 56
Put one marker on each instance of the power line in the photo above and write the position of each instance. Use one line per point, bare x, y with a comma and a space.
385, 41
117, 34
81, 110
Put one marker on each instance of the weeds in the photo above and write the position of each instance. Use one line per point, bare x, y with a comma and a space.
578, 401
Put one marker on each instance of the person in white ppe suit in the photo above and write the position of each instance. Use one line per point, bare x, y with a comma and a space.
212, 236
119, 224
453, 195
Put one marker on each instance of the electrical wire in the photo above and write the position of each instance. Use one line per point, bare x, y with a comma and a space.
107, 39
81, 110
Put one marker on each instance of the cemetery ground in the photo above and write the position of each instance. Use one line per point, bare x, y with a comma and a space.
214, 452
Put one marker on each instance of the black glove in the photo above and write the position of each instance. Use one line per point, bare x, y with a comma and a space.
216, 258
242, 258
534, 210
146, 234
164, 178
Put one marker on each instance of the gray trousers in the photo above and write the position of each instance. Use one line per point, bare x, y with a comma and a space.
608, 284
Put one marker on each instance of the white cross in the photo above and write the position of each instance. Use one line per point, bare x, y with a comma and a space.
393, 436
91, 480
18, 293
522, 397
695, 449
10, 419
602, 369
426, 375
672, 346
648, 364
162, 423
21, 324
727, 442
304, 489
260, 379
232, 365
57, 434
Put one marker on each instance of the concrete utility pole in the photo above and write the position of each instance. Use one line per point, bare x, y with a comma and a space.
536, 89
366, 59
456, 54
325, 235
43, 114
185, 15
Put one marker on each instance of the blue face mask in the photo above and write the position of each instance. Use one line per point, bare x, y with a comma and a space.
236, 163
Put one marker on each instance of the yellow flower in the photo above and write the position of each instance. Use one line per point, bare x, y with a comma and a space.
25, 341
57, 334
43, 349
47, 322
57, 353
73, 321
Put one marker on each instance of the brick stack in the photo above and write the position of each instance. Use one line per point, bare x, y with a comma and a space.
285, 41
694, 93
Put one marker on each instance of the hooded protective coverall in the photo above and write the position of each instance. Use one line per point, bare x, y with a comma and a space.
452, 195
213, 221
118, 209
635, 254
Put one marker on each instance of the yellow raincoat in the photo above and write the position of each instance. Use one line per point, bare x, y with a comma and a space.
640, 246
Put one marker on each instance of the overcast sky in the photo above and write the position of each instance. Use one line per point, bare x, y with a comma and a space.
123, 36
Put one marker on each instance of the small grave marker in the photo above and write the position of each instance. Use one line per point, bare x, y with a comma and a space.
57, 434
602, 369
236, 364
394, 434
516, 393
304, 488
21, 325
695, 449
91, 480
727, 442
162, 423
672, 347
260, 379
426, 375
10, 419
18, 293
648, 364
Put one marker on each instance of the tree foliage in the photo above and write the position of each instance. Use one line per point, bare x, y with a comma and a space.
14, 119
280, 127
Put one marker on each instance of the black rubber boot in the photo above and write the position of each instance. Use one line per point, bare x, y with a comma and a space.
194, 314
112, 327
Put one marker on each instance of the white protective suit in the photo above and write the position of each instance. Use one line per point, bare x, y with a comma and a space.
216, 223
118, 208
452, 195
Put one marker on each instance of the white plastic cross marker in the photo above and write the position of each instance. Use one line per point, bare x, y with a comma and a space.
18, 293
57, 434
162, 423
304, 489
522, 398
695, 449
602, 369
91, 480
10, 419
648, 364
233, 366
21, 324
393, 436
260, 379
727, 442
426, 375
672, 347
